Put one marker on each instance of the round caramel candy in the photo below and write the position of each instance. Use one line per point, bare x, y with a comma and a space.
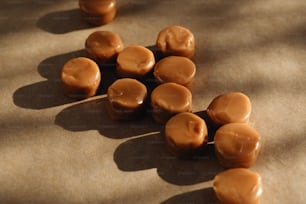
239, 186
176, 40
169, 99
80, 77
126, 99
185, 134
103, 46
98, 12
176, 69
230, 108
237, 145
135, 62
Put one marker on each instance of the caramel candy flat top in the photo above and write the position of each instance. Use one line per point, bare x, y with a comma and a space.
238, 186
97, 7
172, 97
135, 61
237, 142
186, 131
176, 40
229, 108
81, 72
128, 93
103, 45
176, 69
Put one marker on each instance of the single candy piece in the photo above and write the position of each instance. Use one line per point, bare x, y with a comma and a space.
230, 108
98, 12
185, 134
169, 99
126, 99
176, 40
238, 186
176, 69
80, 77
237, 145
103, 46
135, 62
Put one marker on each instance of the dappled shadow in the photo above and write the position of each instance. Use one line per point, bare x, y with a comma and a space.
150, 151
205, 196
61, 22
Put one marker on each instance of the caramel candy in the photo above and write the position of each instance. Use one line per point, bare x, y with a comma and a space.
176, 69
230, 108
176, 40
185, 134
80, 77
126, 99
98, 12
103, 46
238, 186
135, 62
237, 145
169, 99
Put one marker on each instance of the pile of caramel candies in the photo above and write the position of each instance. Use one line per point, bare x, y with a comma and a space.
236, 143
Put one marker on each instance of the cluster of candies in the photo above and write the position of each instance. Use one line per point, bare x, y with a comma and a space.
236, 143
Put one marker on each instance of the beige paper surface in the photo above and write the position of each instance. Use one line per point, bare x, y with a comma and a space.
56, 150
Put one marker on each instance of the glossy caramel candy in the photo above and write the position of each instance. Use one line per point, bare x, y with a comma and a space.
238, 186
169, 99
126, 99
80, 78
103, 46
233, 107
175, 69
135, 62
176, 40
237, 145
98, 12
185, 134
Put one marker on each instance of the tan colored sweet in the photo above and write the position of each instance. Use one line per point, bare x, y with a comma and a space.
103, 46
80, 77
230, 108
185, 134
169, 99
238, 186
98, 12
176, 69
135, 62
126, 99
237, 145
176, 40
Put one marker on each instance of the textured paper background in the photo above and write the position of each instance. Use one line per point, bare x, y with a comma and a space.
56, 150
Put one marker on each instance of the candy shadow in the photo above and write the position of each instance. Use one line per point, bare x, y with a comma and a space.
205, 195
211, 126
92, 115
40, 95
61, 22
46, 94
136, 7
49, 93
150, 151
